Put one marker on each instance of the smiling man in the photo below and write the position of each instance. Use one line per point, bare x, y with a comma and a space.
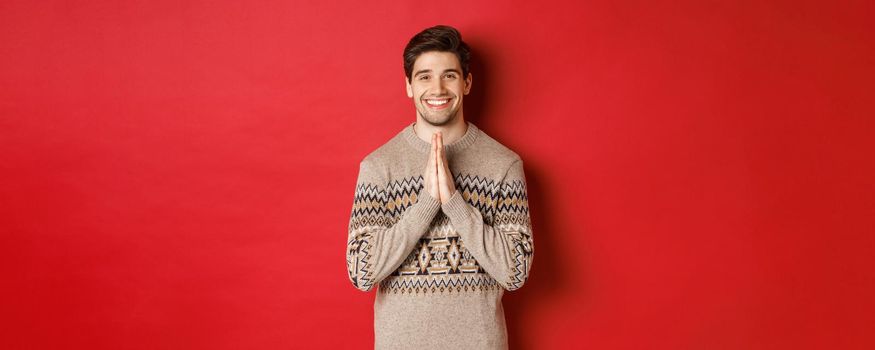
440, 217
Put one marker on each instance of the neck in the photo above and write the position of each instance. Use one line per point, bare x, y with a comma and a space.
450, 132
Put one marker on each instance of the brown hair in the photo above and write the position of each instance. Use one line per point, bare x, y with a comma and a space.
437, 38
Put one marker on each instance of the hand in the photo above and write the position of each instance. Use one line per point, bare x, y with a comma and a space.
431, 180
446, 186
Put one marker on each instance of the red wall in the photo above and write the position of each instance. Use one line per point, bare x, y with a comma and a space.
180, 176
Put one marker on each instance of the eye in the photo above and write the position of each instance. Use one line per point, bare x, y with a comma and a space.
451, 76
423, 77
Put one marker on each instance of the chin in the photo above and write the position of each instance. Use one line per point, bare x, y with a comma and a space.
442, 122
437, 120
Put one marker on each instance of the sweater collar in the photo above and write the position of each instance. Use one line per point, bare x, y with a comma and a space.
420, 145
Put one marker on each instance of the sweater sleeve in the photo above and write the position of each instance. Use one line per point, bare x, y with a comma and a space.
386, 222
504, 249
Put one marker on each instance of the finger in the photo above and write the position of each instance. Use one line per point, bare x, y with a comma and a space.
445, 166
437, 152
443, 153
430, 163
437, 160
433, 149
440, 148
431, 154
431, 146
440, 144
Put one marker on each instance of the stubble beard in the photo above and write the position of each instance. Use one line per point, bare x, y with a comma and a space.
439, 119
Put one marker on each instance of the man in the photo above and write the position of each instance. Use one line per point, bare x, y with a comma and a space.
440, 219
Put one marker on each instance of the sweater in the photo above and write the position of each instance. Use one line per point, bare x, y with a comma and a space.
441, 269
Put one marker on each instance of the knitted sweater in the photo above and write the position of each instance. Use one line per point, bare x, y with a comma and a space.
442, 269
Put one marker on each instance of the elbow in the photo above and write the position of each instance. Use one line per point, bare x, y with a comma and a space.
518, 278
356, 266
356, 277
514, 284
521, 268
360, 283
364, 287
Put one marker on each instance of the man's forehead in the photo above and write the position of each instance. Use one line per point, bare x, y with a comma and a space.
436, 60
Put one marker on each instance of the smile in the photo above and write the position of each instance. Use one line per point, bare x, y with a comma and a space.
437, 103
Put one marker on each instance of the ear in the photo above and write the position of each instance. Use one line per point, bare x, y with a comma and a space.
468, 80
409, 89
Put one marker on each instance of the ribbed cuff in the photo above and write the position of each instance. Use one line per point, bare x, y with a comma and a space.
457, 209
425, 207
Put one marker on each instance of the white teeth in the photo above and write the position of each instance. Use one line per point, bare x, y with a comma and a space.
437, 102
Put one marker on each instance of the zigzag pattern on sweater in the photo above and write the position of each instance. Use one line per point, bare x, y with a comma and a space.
502, 205
374, 206
436, 284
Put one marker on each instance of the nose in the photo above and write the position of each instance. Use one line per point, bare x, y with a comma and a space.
438, 86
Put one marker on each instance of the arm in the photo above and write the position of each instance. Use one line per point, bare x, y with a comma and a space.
384, 227
505, 248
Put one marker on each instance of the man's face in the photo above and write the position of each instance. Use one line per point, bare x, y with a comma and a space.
437, 86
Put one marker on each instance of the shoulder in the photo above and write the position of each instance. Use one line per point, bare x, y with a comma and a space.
489, 149
507, 164
374, 167
388, 152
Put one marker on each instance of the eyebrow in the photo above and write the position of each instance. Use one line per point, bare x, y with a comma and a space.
445, 70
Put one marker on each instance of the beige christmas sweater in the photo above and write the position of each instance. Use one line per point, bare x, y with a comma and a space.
441, 269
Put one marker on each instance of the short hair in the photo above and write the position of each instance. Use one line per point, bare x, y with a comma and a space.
438, 38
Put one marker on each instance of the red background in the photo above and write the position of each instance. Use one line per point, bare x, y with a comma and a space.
179, 175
